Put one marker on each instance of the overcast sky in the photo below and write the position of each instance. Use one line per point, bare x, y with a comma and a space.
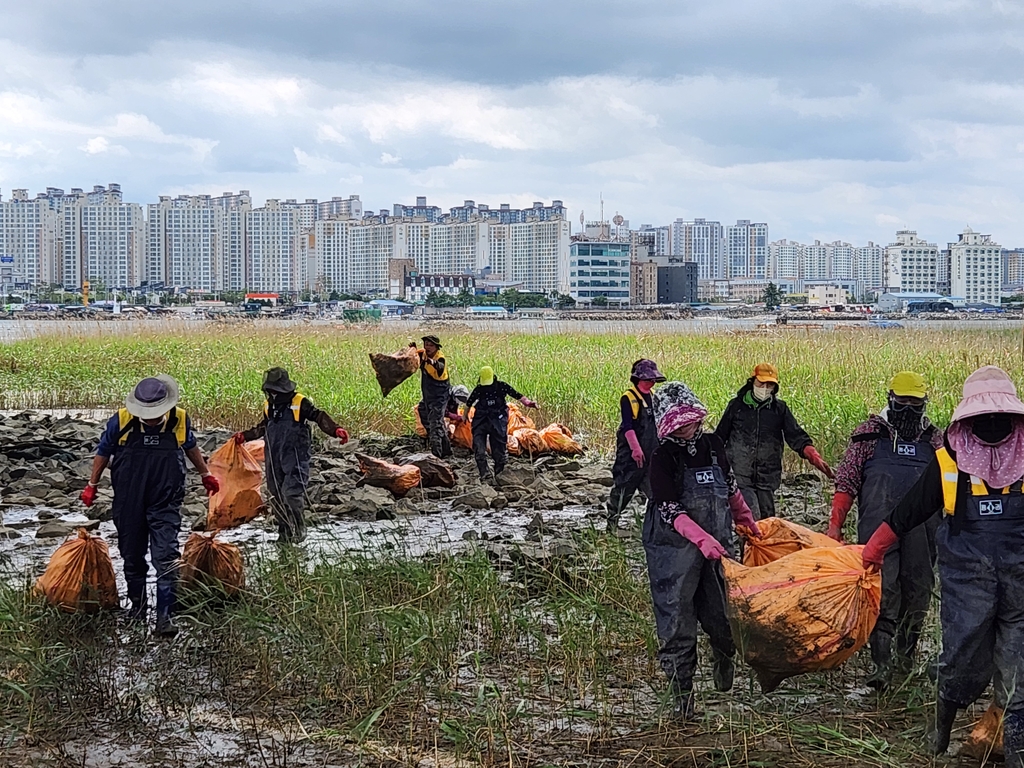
825, 119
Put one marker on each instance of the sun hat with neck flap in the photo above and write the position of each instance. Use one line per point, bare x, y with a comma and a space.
152, 397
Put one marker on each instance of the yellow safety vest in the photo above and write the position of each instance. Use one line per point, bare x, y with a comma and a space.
636, 400
428, 366
124, 418
296, 402
950, 476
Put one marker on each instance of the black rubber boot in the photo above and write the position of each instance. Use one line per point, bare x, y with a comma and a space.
1013, 738
938, 736
881, 656
723, 671
906, 648
684, 705
165, 626
138, 610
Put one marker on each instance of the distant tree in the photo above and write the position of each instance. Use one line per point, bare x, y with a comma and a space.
465, 298
564, 301
772, 296
600, 301
435, 299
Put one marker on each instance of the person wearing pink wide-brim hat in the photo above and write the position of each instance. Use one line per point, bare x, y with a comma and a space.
976, 479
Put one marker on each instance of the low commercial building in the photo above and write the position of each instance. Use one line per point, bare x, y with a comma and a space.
419, 286
677, 283
827, 295
599, 268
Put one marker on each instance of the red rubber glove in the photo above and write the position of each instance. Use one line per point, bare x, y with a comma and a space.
211, 484
341, 434
742, 517
238, 437
879, 543
812, 455
842, 502
634, 447
704, 541
88, 495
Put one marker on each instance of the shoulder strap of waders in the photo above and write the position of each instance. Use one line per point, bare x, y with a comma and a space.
125, 423
636, 401
177, 423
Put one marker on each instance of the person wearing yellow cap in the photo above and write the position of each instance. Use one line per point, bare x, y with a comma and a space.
886, 455
755, 425
490, 420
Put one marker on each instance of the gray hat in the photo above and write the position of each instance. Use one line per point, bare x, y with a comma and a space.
152, 397
276, 380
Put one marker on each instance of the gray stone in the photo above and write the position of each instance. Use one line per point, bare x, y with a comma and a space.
514, 476
470, 535
54, 529
9, 533
596, 474
56, 480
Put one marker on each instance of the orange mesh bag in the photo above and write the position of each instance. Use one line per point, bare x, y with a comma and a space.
420, 429
462, 433
986, 738
559, 439
517, 419
392, 370
399, 479
80, 576
780, 538
805, 612
240, 476
205, 561
530, 441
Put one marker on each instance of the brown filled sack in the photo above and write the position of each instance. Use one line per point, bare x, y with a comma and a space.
434, 473
517, 419
530, 441
211, 563
780, 538
238, 500
392, 370
559, 439
393, 477
80, 576
986, 739
805, 612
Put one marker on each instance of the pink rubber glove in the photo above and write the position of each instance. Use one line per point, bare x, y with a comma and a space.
704, 541
742, 517
528, 402
634, 446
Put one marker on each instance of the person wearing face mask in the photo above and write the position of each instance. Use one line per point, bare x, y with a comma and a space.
753, 427
975, 478
886, 455
688, 527
635, 440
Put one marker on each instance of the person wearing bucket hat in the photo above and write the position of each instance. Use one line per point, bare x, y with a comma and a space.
695, 507
976, 479
635, 440
145, 444
287, 415
435, 389
886, 455
753, 427
490, 419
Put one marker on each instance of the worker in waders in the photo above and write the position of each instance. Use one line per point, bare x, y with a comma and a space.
288, 450
490, 419
635, 440
689, 525
886, 455
145, 443
753, 427
976, 479
435, 389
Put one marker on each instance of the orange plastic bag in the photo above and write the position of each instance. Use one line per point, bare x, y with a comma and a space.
514, 448
462, 433
517, 419
420, 429
392, 370
399, 479
256, 449
80, 576
530, 441
559, 439
780, 538
212, 563
238, 500
986, 738
805, 612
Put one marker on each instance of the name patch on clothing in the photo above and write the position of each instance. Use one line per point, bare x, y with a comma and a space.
151, 439
906, 449
990, 507
706, 477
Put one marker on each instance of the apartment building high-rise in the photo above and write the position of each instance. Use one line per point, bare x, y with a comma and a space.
350, 206
28, 239
503, 214
841, 261
815, 266
1013, 266
869, 266
746, 245
976, 268
274, 257
785, 260
104, 240
234, 223
700, 241
419, 211
184, 243
658, 240
911, 265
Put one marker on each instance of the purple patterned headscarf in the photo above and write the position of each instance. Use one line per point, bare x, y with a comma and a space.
675, 406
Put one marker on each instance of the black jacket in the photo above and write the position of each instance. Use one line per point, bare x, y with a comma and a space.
753, 438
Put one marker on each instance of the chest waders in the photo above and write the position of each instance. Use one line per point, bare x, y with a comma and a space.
686, 588
288, 451
147, 473
627, 477
908, 569
490, 428
435, 393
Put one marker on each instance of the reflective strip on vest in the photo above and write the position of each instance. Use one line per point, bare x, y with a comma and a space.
950, 476
180, 426
295, 406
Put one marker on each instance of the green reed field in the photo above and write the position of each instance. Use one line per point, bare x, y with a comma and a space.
832, 380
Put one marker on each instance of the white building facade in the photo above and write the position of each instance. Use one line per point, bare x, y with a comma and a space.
911, 265
703, 242
976, 268
28, 239
746, 246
